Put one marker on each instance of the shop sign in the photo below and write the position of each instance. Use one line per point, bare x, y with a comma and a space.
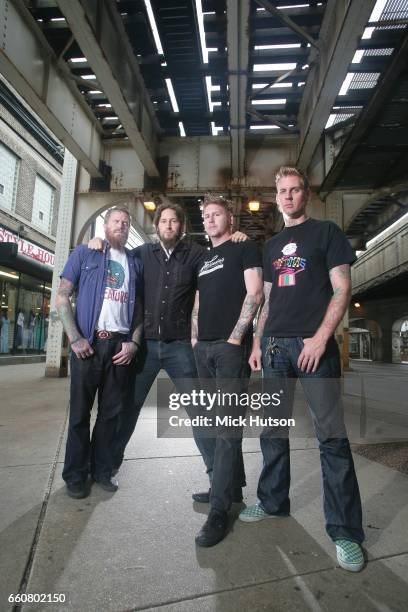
27, 248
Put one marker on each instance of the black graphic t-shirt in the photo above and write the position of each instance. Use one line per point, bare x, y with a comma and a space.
222, 288
297, 263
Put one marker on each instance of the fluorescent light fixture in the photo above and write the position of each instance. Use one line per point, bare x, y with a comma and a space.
301, 83
88, 77
111, 118
346, 84
78, 60
215, 129
95, 91
212, 49
377, 10
264, 127
104, 105
182, 130
330, 121
290, 6
357, 304
358, 56
153, 25
209, 87
200, 20
215, 87
58, 19
265, 47
209, 13
172, 95
269, 101
367, 33
266, 67
163, 64
274, 86
218, 103
305, 66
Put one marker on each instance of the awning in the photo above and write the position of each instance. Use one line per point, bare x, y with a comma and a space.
10, 257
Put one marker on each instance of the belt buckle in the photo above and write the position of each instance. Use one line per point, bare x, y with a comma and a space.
103, 334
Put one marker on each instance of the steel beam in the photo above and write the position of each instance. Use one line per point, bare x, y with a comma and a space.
384, 87
238, 53
268, 6
30, 66
100, 33
343, 24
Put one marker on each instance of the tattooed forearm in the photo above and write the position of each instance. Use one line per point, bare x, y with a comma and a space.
341, 283
64, 308
263, 315
248, 311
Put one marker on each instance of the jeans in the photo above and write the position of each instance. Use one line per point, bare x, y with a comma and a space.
176, 358
96, 373
341, 496
222, 366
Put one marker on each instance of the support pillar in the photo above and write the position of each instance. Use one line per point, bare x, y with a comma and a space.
56, 364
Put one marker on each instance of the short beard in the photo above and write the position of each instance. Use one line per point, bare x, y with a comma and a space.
170, 244
115, 243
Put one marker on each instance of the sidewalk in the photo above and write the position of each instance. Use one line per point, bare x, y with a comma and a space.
135, 550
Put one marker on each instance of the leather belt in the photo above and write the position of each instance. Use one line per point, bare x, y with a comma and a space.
102, 334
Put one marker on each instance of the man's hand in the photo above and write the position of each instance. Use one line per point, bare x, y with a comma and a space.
255, 359
125, 356
311, 354
194, 342
82, 348
96, 244
239, 237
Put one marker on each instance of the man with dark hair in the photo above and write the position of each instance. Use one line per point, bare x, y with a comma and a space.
104, 334
221, 333
307, 288
170, 279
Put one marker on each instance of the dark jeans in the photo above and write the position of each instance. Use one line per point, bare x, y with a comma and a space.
223, 366
96, 373
177, 359
341, 496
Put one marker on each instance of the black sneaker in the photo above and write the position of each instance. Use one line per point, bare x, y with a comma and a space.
203, 497
214, 529
77, 490
107, 483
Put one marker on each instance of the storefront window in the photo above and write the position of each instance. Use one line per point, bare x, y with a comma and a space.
25, 305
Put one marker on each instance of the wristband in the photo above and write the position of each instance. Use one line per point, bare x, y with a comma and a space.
136, 343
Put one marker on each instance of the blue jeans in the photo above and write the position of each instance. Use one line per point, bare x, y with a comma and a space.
223, 366
341, 496
176, 358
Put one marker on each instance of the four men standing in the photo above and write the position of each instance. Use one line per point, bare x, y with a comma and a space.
308, 266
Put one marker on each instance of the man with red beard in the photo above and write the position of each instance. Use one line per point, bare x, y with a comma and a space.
104, 335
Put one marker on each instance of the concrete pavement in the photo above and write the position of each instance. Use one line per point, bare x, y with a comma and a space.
134, 550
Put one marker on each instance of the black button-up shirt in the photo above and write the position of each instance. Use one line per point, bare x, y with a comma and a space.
169, 289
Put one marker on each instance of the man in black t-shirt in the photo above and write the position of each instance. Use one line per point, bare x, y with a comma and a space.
228, 296
307, 288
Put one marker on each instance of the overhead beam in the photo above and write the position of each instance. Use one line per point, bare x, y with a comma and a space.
99, 31
342, 26
383, 89
238, 54
31, 67
268, 6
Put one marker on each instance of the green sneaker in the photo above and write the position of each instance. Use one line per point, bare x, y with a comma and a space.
349, 555
254, 513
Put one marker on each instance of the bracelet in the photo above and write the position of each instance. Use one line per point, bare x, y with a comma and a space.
136, 343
